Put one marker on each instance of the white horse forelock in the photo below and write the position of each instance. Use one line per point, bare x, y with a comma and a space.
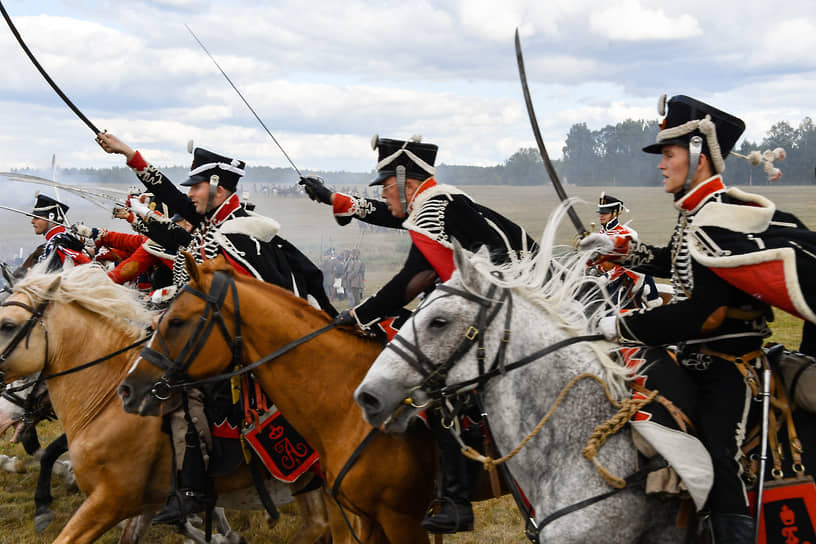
89, 287
554, 279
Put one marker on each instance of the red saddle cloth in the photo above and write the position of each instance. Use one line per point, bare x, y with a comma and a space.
284, 452
788, 512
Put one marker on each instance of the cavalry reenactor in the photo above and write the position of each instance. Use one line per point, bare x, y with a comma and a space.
250, 243
435, 215
713, 319
61, 247
622, 284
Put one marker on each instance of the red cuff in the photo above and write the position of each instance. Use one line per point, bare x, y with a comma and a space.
137, 162
342, 204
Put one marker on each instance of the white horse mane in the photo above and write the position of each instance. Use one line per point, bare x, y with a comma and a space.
555, 280
89, 287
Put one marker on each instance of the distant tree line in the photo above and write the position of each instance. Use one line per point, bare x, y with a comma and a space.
610, 156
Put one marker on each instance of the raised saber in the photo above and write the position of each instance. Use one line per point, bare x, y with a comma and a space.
44, 74
763, 452
245, 101
542, 149
15, 210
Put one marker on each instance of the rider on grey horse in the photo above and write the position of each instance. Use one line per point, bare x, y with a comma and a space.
717, 327
434, 214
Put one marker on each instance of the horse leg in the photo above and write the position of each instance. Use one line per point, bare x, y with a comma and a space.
314, 517
401, 528
134, 529
42, 497
96, 515
225, 533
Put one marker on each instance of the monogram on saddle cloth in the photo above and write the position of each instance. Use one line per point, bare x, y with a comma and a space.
260, 424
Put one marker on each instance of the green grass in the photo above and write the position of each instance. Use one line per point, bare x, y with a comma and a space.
311, 227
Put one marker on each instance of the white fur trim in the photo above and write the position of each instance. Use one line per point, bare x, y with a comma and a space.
737, 217
258, 226
420, 198
157, 250
685, 453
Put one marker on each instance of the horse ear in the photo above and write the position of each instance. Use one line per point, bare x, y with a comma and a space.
54, 285
191, 266
470, 276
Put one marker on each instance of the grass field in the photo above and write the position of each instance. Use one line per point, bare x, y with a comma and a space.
311, 228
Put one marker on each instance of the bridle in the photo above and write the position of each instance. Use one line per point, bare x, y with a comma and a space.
24, 332
434, 376
175, 370
175, 376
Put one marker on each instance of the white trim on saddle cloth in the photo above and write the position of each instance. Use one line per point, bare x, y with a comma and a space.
157, 250
685, 453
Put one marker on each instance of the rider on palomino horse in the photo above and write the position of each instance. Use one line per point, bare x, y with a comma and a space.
250, 243
434, 214
715, 322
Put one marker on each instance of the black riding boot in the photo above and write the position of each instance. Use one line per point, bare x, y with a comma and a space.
732, 528
451, 512
191, 494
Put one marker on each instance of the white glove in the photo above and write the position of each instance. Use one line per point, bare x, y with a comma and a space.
83, 230
608, 326
165, 294
597, 242
139, 208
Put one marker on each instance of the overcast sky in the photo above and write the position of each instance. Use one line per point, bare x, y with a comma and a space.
326, 75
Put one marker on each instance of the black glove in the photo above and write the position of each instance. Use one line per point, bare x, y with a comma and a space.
316, 188
345, 318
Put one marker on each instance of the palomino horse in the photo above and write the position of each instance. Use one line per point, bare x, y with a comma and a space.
122, 462
391, 481
539, 303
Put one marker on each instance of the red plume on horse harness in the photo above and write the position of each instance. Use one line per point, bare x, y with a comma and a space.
559, 189
44, 74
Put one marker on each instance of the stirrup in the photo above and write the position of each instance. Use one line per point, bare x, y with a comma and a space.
181, 504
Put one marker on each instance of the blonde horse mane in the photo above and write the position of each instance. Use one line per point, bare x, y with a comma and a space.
554, 279
89, 287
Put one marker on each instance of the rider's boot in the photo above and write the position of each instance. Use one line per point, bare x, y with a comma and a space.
451, 511
732, 528
191, 494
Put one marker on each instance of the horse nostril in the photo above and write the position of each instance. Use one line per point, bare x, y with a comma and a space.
124, 392
369, 401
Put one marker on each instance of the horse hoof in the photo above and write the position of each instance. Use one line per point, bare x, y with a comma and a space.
43, 520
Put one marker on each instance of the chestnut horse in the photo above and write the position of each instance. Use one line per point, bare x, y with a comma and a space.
122, 462
391, 481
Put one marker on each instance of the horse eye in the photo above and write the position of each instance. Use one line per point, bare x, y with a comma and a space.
438, 322
7, 326
175, 322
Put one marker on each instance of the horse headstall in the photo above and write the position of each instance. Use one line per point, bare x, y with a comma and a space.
434, 375
24, 331
175, 376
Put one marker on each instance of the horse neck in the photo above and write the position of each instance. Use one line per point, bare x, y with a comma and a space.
517, 402
76, 337
312, 385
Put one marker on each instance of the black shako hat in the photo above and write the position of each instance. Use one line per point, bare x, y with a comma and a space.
49, 208
207, 164
688, 117
417, 158
609, 204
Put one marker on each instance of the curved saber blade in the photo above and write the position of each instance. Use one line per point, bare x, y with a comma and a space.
29, 214
559, 189
44, 74
89, 194
245, 101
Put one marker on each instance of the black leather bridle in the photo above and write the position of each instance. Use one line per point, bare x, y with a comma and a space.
24, 332
175, 370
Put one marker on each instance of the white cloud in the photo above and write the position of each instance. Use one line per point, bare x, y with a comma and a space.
628, 20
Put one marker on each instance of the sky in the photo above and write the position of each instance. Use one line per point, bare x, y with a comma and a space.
325, 76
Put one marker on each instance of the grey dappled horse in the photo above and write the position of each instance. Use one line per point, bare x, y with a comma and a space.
547, 301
